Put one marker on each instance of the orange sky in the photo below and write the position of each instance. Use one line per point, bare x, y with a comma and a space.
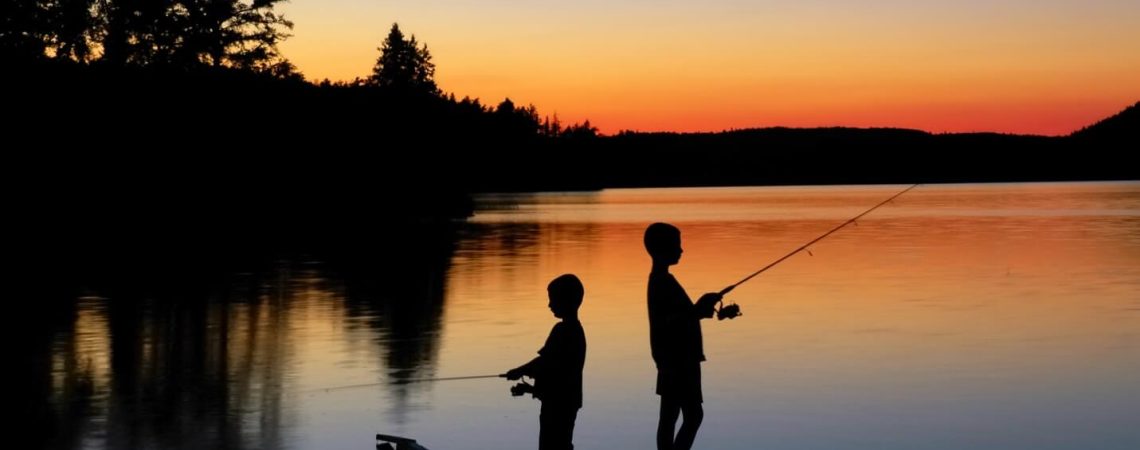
1020, 66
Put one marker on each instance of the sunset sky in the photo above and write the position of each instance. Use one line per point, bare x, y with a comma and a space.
1018, 66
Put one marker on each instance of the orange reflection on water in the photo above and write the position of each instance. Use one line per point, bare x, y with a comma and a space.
957, 291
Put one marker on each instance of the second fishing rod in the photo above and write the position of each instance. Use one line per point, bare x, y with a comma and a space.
732, 310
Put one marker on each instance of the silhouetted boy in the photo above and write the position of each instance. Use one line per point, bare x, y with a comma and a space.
557, 371
675, 339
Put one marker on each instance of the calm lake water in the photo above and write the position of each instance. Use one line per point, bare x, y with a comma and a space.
997, 316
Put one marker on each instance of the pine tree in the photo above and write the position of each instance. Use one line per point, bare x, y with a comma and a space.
403, 65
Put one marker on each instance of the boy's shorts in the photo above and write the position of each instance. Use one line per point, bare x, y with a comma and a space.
682, 383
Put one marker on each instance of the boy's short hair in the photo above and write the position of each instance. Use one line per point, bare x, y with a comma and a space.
566, 288
659, 236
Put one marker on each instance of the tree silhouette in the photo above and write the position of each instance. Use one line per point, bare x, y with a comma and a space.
579, 131
403, 65
519, 120
234, 33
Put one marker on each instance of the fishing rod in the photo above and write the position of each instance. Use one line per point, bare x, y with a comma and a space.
414, 380
736, 309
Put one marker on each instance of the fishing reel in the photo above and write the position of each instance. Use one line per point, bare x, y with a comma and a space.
522, 388
729, 311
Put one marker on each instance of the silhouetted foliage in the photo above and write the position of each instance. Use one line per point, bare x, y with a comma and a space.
204, 76
183, 33
173, 33
520, 120
578, 131
23, 29
404, 65
73, 26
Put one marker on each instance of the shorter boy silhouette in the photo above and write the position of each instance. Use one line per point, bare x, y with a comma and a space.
557, 371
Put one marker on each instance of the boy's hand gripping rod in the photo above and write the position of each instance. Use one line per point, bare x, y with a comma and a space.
805, 246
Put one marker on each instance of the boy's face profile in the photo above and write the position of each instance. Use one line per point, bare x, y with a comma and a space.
663, 242
670, 250
561, 307
555, 307
565, 295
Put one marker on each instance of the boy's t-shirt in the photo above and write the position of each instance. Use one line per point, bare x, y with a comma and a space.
674, 324
563, 357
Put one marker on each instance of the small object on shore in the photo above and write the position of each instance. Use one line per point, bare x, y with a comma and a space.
387, 442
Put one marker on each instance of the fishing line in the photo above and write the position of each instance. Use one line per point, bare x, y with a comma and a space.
414, 380
735, 311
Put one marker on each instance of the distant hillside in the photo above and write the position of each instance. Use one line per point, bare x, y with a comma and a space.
1124, 126
769, 156
838, 156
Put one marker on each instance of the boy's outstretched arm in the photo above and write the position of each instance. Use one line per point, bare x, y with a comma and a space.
529, 369
705, 306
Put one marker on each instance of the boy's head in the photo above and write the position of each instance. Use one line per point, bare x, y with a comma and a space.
663, 242
565, 294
